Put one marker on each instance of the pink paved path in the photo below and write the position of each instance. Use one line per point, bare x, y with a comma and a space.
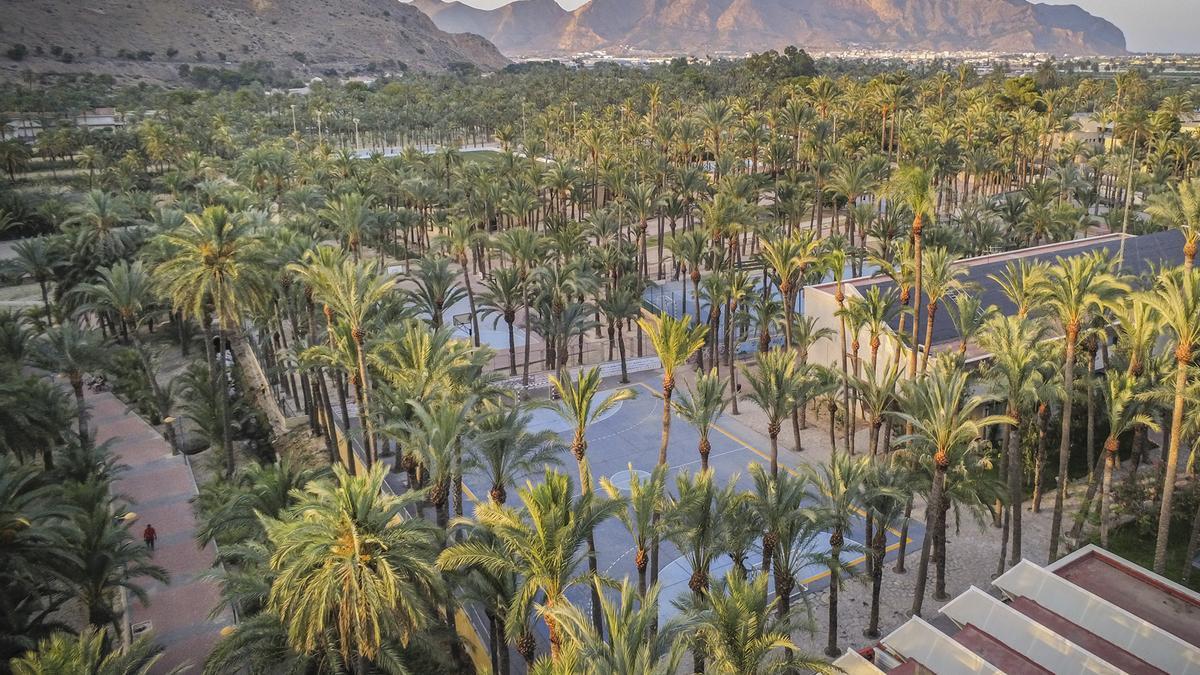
160, 486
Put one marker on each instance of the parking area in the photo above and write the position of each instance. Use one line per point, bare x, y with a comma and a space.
629, 436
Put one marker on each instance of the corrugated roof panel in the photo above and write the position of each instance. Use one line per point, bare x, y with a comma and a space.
852, 663
932, 648
1080, 606
1027, 637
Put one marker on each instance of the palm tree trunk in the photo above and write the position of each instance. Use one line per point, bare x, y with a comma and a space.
1064, 448
1183, 358
1110, 463
917, 265
835, 552
667, 388
621, 351
340, 383
1015, 483
512, 348
939, 551
775, 452
931, 519
80, 407
324, 413
1039, 459
223, 396
879, 548
528, 333
932, 309
364, 411
466, 273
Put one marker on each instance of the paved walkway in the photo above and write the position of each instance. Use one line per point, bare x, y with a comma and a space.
160, 486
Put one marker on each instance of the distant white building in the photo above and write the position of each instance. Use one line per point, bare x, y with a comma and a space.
21, 130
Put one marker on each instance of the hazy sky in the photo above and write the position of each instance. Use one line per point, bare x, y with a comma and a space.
1149, 25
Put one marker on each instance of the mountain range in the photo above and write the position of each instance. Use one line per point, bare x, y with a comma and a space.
698, 27
151, 39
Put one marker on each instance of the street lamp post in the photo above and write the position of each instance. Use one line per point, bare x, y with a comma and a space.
357, 144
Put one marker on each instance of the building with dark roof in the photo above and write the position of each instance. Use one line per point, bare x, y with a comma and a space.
1089, 612
1140, 257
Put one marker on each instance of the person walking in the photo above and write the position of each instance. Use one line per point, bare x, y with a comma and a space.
149, 535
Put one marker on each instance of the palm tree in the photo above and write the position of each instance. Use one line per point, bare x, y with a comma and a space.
349, 216
645, 503
502, 296
124, 291
352, 291
693, 522
97, 221
525, 249
839, 486
71, 351
1176, 300
942, 279
702, 407
434, 435
1015, 370
633, 646
578, 407
775, 386
621, 305
541, 544
39, 259
459, 239
876, 394
886, 491
506, 451
789, 257
37, 556
913, 187
214, 271
89, 653
1074, 290
352, 569
435, 289
798, 525
969, 316
945, 426
774, 500
675, 340
1180, 208
806, 334
1124, 415
690, 249
14, 157
106, 559
744, 635
259, 489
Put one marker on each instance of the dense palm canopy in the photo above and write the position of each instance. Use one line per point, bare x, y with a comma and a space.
349, 287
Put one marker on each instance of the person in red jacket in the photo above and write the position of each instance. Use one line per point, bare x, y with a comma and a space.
149, 536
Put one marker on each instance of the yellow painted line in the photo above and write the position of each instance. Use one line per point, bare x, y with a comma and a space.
767, 457
475, 649
470, 495
857, 561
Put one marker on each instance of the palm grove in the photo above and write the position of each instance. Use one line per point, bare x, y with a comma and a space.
242, 223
